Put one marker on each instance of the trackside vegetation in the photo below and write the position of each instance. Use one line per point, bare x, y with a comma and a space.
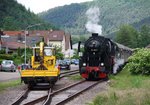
125, 89
76, 77
13, 83
139, 63
131, 86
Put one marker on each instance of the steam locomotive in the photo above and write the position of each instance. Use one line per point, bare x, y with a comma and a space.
100, 57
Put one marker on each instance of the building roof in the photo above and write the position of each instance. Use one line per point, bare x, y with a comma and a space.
17, 38
31, 40
39, 33
13, 45
56, 35
51, 35
13, 33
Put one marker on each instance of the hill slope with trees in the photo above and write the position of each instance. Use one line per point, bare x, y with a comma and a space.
14, 16
114, 13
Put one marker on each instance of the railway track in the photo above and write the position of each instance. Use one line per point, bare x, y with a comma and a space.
29, 96
27, 99
66, 94
68, 73
58, 97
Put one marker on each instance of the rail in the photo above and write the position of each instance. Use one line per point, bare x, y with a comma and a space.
68, 73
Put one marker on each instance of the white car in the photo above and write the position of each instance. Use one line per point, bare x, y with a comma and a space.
8, 65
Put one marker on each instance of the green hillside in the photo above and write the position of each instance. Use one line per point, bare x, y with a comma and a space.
113, 13
14, 16
65, 16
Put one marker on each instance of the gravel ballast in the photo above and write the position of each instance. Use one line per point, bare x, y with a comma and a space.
88, 96
8, 96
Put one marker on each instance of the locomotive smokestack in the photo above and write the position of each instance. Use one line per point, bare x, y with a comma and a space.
94, 34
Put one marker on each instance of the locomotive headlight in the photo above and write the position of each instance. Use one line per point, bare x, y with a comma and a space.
102, 64
84, 64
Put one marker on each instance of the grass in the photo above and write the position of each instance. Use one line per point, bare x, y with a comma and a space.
76, 77
125, 89
13, 83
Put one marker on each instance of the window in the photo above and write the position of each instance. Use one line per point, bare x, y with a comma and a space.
48, 52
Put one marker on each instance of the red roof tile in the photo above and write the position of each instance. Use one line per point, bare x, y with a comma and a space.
13, 32
14, 45
56, 35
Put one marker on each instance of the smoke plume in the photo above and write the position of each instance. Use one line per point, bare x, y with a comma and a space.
118, 63
92, 25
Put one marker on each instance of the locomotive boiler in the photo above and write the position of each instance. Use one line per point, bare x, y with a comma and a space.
97, 59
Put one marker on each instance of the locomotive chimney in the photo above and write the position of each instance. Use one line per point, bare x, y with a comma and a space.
94, 34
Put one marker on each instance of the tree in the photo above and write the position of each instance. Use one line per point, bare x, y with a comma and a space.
144, 37
58, 53
19, 51
127, 36
9, 23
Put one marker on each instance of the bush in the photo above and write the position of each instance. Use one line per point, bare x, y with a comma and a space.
18, 60
139, 62
2, 51
1, 61
6, 56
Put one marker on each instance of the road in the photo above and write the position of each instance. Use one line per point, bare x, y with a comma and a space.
7, 76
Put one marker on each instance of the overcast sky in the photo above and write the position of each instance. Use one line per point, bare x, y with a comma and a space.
37, 6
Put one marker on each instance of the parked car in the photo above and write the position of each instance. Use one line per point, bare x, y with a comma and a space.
24, 66
72, 61
68, 61
76, 62
64, 65
8, 65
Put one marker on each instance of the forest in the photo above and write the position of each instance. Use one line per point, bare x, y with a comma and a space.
113, 14
14, 16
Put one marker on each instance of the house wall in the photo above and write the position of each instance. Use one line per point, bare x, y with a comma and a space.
63, 44
55, 43
58, 43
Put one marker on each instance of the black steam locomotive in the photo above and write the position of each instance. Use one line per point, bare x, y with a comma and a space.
99, 57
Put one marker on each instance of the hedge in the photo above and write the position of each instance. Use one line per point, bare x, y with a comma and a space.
139, 62
6, 56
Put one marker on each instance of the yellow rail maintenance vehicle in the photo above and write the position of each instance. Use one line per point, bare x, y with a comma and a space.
43, 69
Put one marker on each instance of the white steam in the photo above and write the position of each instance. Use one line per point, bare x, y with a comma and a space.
118, 62
92, 25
